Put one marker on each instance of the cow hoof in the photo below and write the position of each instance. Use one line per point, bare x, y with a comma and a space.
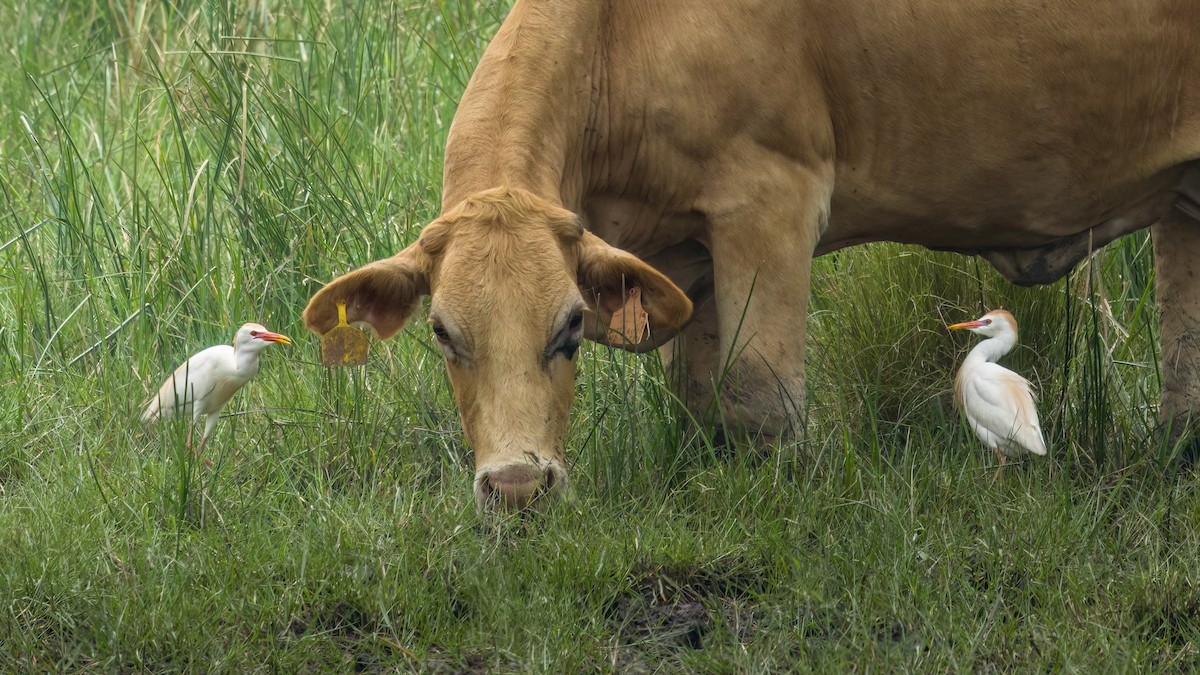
517, 486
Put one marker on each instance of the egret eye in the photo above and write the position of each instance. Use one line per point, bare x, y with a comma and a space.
987, 322
254, 333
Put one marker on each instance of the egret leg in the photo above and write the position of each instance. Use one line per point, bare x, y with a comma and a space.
1003, 461
209, 424
200, 452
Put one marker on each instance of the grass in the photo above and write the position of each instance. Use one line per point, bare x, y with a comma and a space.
169, 172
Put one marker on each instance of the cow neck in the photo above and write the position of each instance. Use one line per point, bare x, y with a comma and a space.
521, 121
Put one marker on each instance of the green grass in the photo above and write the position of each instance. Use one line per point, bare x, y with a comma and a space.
169, 172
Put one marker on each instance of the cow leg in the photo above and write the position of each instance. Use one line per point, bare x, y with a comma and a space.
1177, 274
762, 255
693, 361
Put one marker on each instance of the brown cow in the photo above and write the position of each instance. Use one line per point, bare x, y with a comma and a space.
715, 146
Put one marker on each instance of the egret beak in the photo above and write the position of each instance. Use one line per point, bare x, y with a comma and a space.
275, 337
966, 325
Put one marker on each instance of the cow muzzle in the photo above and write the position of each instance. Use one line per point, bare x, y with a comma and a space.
518, 485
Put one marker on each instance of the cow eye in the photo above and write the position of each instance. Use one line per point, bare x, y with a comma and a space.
453, 346
569, 338
569, 348
444, 341
439, 331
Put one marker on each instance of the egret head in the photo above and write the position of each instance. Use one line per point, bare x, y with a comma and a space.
255, 337
995, 322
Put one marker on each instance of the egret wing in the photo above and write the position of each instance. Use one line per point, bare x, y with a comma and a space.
1002, 402
187, 388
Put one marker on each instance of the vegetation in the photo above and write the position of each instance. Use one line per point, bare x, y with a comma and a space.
170, 171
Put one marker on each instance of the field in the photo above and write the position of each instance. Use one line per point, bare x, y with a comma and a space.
168, 172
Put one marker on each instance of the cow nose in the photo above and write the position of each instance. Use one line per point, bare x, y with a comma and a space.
515, 486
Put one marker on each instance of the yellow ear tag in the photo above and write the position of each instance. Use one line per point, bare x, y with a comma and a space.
344, 345
630, 323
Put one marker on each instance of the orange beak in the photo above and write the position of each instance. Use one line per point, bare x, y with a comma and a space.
966, 325
274, 337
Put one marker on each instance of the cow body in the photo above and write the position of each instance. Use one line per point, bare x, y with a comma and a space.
724, 143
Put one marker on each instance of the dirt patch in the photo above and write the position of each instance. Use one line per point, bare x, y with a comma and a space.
470, 663
677, 624
366, 647
355, 631
677, 606
986, 572
1168, 611
340, 618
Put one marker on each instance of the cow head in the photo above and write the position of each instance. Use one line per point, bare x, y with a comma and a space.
515, 283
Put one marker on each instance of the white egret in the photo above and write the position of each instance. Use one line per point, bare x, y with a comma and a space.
997, 402
205, 383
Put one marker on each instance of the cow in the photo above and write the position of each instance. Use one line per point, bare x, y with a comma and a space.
701, 152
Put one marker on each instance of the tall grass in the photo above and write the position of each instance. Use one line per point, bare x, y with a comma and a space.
172, 171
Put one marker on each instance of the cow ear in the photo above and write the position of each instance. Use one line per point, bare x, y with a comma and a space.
606, 277
381, 295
